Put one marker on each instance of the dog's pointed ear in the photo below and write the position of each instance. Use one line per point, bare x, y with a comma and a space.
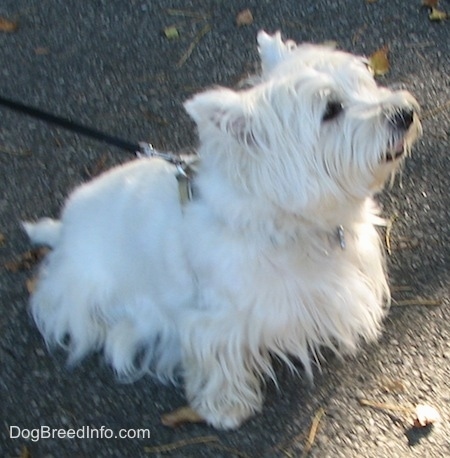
221, 109
273, 50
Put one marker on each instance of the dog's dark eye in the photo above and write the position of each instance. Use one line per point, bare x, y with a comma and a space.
332, 110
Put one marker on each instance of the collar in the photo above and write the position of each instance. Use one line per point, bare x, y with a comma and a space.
187, 168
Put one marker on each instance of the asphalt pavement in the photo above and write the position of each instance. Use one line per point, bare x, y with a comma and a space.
114, 65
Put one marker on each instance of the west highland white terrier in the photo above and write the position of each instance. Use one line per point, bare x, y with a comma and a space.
276, 255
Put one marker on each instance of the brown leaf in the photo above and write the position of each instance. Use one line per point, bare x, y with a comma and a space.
379, 61
26, 260
430, 3
41, 51
7, 25
25, 453
171, 32
2, 239
180, 416
437, 15
245, 17
392, 386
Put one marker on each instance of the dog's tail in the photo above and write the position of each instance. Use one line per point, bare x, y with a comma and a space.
46, 231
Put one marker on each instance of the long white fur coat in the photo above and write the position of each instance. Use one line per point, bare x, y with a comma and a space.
277, 254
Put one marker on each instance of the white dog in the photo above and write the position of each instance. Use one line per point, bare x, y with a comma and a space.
275, 256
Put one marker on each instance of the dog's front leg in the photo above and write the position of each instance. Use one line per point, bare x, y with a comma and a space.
221, 378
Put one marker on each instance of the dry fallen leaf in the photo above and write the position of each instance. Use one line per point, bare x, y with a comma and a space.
26, 260
25, 453
392, 386
180, 416
171, 33
41, 51
430, 3
425, 415
8, 26
2, 239
437, 15
379, 61
245, 17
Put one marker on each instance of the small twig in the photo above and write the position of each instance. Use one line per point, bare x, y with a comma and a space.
400, 288
213, 441
313, 432
230, 450
97, 168
180, 444
192, 46
431, 113
386, 406
417, 301
357, 35
299, 437
392, 386
387, 236
424, 44
10, 152
186, 13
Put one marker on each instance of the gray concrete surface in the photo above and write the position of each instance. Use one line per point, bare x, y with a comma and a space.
105, 63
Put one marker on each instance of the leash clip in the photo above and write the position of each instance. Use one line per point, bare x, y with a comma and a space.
147, 150
186, 167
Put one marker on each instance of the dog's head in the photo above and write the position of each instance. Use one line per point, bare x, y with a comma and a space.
316, 130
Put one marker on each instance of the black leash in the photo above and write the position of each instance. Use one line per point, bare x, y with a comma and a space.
70, 125
186, 164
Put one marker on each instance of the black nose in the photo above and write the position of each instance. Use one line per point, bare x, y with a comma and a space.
402, 119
